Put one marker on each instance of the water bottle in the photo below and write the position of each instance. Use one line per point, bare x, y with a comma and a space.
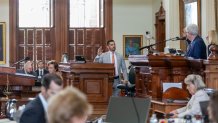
153, 119
11, 108
198, 119
64, 58
188, 119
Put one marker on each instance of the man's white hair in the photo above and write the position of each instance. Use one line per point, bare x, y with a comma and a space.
192, 29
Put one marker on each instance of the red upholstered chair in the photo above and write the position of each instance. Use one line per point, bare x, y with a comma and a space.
176, 94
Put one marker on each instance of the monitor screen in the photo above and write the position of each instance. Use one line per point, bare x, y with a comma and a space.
128, 110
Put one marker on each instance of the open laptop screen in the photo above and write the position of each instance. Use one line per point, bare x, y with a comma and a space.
128, 110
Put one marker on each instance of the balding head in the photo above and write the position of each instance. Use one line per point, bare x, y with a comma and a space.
28, 66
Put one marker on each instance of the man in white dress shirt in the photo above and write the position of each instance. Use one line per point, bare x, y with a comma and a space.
41, 71
115, 58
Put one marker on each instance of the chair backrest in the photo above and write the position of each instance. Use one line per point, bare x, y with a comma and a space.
176, 94
132, 75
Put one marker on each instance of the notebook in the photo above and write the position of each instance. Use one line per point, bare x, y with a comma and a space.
128, 110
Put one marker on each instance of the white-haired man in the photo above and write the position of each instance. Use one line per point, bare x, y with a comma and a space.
197, 47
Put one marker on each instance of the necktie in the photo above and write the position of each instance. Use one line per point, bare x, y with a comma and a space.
189, 49
40, 73
112, 57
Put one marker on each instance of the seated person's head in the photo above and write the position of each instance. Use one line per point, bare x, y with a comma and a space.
40, 64
213, 108
28, 66
194, 83
52, 66
51, 84
69, 106
191, 31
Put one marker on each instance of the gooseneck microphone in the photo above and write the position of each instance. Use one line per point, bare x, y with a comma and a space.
149, 46
181, 38
24, 59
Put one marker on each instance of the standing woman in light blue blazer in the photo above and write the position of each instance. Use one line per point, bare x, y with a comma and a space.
119, 64
195, 86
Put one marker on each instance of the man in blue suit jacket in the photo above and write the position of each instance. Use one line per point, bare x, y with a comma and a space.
115, 58
197, 47
36, 110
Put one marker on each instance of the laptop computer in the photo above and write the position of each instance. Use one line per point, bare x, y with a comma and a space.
80, 59
128, 110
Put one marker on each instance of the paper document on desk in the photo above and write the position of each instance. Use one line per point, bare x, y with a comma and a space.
180, 101
167, 85
6, 121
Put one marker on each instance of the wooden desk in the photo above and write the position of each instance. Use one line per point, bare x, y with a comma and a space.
151, 71
14, 82
93, 79
162, 106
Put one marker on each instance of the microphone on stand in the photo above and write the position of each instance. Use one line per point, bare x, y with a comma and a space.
146, 47
24, 59
149, 46
181, 38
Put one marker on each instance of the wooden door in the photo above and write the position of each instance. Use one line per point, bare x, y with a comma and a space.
160, 29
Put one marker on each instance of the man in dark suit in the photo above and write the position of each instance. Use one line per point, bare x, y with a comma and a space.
27, 69
197, 47
36, 110
40, 72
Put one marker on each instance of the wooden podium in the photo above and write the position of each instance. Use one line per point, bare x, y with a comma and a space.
15, 83
160, 69
19, 86
152, 71
93, 79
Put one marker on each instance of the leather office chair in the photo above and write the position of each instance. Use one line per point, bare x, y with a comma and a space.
129, 88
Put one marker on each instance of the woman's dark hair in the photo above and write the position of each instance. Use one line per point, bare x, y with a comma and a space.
54, 63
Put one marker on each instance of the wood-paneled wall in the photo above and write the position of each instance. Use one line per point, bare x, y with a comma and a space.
50, 43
